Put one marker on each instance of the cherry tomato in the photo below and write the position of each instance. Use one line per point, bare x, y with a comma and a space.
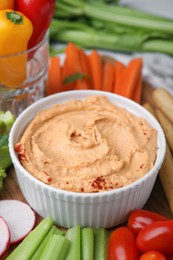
152, 255
157, 236
122, 245
141, 218
169, 257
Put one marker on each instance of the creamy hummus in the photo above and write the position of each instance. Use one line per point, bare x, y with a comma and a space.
88, 145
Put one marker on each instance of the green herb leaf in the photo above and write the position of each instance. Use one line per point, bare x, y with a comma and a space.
75, 77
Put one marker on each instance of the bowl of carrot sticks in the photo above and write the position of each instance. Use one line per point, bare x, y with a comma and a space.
68, 208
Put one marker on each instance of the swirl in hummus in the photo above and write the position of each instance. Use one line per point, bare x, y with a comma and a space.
88, 145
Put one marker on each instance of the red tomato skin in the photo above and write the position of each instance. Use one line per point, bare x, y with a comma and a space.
122, 245
152, 255
140, 218
157, 236
40, 13
169, 257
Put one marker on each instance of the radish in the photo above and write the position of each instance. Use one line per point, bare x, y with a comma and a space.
20, 218
4, 236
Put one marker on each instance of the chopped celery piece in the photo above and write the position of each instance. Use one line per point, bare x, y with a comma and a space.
88, 243
29, 245
53, 231
56, 248
74, 235
8, 119
100, 244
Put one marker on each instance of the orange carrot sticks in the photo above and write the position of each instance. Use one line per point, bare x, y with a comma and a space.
73, 54
108, 77
96, 69
118, 69
137, 93
129, 78
66, 72
54, 76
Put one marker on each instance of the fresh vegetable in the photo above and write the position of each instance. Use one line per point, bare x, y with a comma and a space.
14, 25
95, 62
27, 248
122, 242
93, 24
108, 77
157, 236
83, 70
169, 257
4, 236
40, 13
74, 235
87, 243
39, 251
152, 255
118, 70
19, 224
6, 4
6, 121
54, 76
140, 218
129, 78
56, 248
101, 237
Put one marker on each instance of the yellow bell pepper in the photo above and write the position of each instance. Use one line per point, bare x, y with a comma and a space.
6, 4
15, 32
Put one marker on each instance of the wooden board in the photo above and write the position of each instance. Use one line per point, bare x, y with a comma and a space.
157, 201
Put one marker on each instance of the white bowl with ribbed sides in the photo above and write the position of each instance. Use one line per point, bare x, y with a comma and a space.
105, 209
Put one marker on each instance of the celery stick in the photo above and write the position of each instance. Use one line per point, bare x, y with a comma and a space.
29, 245
56, 248
53, 231
74, 235
100, 244
88, 243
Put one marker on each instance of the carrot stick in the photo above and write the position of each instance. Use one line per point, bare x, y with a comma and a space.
118, 69
84, 60
96, 69
108, 77
73, 54
66, 72
129, 78
54, 76
137, 93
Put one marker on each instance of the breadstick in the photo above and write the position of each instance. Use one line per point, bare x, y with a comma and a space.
150, 108
167, 127
164, 101
166, 177
147, 91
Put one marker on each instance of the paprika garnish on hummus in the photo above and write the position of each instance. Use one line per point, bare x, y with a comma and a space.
88, 145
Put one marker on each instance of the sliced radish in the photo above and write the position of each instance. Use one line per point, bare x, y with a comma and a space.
20, 218
4, 236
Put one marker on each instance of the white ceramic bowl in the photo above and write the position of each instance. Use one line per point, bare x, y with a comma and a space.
105, 209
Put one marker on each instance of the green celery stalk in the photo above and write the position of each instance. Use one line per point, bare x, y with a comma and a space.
74, 236
26, 249
87, 37
53, 231
121, 15
88, 243
56, 248
100, 243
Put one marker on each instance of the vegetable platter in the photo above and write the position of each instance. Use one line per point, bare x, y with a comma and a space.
157, 201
